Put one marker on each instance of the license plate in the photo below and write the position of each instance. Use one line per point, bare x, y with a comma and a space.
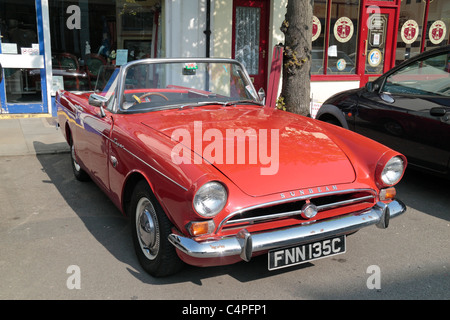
282, 258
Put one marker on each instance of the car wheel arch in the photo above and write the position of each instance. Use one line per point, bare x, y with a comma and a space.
329, 112
130, 183
68, 133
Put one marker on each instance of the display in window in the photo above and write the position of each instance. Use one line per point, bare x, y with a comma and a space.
438, 31
343, 29
410, 31
317, 28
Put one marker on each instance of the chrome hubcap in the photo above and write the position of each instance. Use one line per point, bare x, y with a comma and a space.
147, 228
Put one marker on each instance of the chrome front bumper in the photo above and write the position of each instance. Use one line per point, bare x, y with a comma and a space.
245, 244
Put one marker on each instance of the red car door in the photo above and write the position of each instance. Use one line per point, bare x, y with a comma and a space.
96, 144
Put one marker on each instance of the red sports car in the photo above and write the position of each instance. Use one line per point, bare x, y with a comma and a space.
210, 176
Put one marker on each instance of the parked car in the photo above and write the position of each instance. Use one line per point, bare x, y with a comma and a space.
407, 109
209, 176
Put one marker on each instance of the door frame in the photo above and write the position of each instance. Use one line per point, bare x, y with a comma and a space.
390, 45
41, 61
264, 32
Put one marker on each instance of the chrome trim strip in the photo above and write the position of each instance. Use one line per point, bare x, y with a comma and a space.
246, 244
293, 199
121, 146
343, 203
156, 170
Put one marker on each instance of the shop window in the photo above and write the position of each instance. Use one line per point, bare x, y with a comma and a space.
338, 56
438, 24
87, 35
409, 38
19, 39
342, 46
318, 37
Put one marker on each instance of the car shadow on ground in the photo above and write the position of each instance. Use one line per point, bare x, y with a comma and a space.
434, 189
110, 228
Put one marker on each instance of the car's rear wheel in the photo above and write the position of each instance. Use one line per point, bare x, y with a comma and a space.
150, 231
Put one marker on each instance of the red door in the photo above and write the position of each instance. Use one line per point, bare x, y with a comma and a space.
376, 54
251, 38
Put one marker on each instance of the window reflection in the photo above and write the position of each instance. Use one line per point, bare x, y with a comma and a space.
409, 38
23, 85
344, 24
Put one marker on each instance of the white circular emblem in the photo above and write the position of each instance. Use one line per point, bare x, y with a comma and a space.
410, 31
343, 29
341, 64
374, 58
317, 28
437, 32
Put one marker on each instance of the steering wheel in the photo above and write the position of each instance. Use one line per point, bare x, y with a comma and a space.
145, 95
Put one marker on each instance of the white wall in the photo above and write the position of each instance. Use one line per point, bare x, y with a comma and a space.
184, 23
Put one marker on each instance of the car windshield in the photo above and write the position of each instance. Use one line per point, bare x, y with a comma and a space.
151, 85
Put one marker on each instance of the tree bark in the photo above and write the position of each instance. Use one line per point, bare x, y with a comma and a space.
297, 28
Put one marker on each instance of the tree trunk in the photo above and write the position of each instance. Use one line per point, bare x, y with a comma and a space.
297, 28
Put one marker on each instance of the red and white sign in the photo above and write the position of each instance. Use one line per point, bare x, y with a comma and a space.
317, 28
437, 32
410, 31
343, 29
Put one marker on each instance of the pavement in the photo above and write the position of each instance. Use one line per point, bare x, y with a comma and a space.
31, 136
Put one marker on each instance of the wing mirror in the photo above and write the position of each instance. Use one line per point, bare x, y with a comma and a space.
262, 95
97, 100
372, 86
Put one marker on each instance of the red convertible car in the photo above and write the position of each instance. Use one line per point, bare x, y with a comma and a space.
210, 176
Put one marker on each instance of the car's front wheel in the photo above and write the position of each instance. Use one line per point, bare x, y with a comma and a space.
79, 173
150, 231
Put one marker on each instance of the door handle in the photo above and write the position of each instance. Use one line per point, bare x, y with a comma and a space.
365, 48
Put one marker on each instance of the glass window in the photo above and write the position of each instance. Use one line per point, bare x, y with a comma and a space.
87, 35
428, 77
18, 29
344, 24
438, 25
318, 37
247, 37
409, 38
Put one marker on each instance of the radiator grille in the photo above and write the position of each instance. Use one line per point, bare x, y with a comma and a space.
292, 208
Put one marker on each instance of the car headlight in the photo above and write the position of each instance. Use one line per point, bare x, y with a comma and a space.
393, 171
210, 199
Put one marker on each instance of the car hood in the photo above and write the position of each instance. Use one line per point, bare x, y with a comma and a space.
262, 151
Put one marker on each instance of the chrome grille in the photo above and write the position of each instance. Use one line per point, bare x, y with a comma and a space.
291, 208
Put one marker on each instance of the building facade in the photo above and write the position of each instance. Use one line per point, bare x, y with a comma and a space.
47, 45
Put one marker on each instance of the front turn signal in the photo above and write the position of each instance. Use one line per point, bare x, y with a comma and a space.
387, 194
198, 228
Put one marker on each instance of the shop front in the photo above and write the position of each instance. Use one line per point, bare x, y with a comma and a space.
23, 43
355, 41
47, 45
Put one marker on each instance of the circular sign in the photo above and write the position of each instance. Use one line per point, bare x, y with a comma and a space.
343, 29
317, 28
341, 64
437, 32
410, 31
374, 58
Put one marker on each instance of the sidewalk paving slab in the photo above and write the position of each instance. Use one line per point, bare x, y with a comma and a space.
31, 136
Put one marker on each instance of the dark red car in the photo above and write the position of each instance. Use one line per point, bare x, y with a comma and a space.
211, 176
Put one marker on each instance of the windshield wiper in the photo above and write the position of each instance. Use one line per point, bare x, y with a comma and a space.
222, 103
